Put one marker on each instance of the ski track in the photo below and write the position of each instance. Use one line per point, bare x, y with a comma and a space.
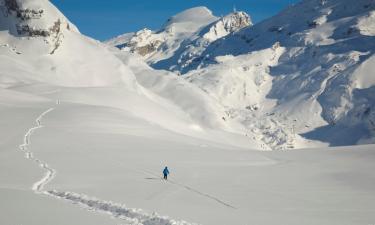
192, 190
129, 215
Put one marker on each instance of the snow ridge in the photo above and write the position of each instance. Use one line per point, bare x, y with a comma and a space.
131, 216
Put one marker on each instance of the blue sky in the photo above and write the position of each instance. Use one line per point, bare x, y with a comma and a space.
103, 19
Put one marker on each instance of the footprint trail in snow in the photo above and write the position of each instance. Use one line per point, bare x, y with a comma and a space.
130, 215
50, 173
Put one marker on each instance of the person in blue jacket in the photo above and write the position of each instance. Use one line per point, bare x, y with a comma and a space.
165, 173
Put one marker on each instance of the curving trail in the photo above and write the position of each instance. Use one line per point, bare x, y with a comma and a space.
130, 215
50, 173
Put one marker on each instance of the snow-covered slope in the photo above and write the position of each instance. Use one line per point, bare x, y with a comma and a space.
41, 48
86, 129
50, 50
324, 55
303, 77
107, 164
182, 39
45, 62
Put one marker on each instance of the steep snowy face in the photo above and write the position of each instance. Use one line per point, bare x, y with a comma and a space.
322, 81
39, 44
183, 37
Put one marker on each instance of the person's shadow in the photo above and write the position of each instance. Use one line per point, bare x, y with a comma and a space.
152, 178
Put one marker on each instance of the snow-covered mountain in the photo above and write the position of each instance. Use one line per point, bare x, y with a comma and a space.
282, 83
302, 76
318, 69
40, 50
86, 129
182, 39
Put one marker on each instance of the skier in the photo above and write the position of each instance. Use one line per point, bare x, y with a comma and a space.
165, 173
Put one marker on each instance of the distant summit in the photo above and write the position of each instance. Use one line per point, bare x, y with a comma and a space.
177, 43
196, 17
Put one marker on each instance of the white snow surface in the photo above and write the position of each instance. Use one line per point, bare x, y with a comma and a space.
86, 130
107, 162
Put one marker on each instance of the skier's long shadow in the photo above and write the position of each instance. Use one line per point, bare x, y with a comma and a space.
187, 188
152, 178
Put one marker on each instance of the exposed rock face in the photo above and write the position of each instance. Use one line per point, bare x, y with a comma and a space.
148, 49
143, 42
24, 14
13, 8
228, 24
31, 22
38, 44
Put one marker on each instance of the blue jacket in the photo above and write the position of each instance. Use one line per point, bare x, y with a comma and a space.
166, 171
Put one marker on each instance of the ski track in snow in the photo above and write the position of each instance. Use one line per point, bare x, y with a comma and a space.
193, 190
129, 215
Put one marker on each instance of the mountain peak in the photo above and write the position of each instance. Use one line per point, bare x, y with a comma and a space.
228, 24
189, 20
195, 14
